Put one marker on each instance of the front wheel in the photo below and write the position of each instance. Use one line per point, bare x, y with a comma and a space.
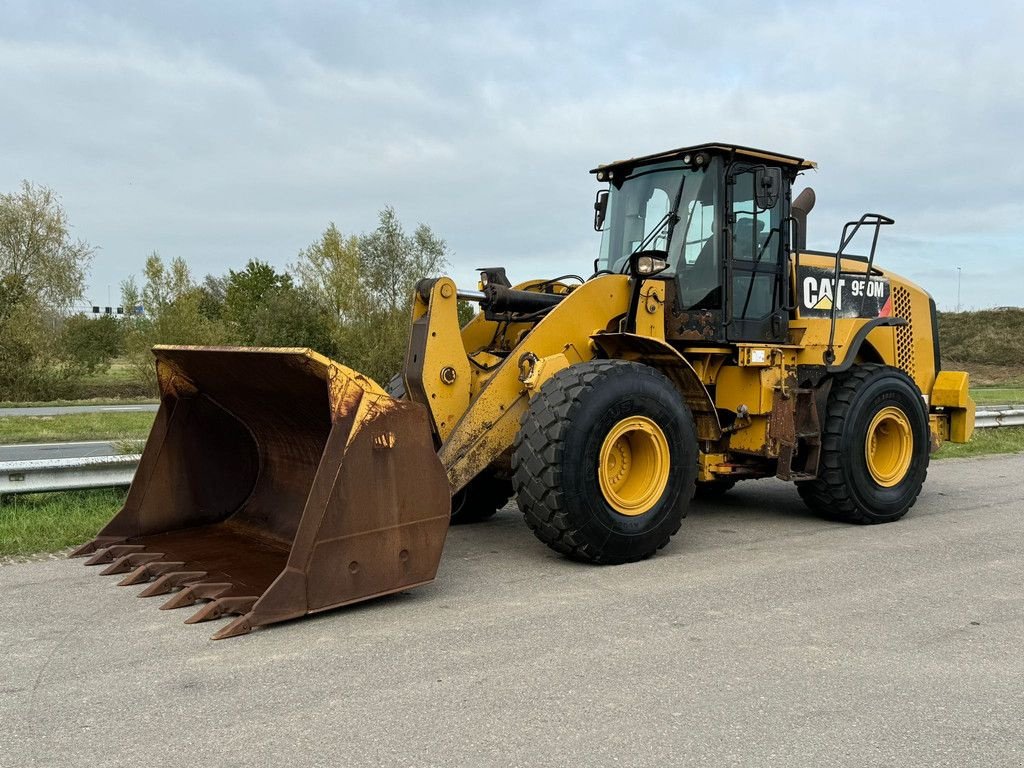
605, 461
875, 448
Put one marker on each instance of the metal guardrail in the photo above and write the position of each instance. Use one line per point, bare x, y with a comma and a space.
112, 471
67, 474
999, 416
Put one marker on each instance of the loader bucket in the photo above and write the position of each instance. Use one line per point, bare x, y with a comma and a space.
275, 483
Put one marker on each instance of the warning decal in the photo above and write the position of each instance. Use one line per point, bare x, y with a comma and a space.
855, 295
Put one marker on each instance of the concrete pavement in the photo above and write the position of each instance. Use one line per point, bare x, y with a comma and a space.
760, 636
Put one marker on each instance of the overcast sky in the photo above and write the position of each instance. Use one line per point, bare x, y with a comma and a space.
224, 131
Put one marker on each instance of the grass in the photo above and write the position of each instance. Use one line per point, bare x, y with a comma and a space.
1003, 395
985, 441
47, 522
75, 426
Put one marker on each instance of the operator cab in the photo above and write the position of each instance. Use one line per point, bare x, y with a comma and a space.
720, 215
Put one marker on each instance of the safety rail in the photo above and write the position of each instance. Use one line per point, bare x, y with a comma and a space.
117, 471
999, 416
67, 474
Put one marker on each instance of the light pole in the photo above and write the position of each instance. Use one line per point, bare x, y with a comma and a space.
958, 289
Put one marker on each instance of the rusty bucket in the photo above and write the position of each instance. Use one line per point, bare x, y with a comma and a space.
276, 483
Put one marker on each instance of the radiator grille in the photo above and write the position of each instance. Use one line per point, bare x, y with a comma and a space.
904, 333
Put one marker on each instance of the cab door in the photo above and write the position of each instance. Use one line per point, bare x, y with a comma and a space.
756, 285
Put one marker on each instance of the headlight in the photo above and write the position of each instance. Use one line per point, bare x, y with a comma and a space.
650, 265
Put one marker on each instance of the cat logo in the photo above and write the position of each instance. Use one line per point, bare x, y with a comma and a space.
850, 296
818, 293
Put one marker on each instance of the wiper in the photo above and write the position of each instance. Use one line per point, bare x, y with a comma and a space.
670, 217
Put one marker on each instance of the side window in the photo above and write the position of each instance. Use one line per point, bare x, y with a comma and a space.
756, 250
701, 228
696, 246
753, 231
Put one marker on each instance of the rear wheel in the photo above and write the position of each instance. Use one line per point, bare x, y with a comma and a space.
604, 462
875, 448
485, 495
481, 500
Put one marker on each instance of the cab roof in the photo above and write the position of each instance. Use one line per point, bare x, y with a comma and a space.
715, 148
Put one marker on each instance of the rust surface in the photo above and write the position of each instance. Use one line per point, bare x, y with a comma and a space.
274, 484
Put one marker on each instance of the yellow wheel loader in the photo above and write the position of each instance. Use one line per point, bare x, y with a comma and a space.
709, 346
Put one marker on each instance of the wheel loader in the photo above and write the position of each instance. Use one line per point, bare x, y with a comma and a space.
709, 346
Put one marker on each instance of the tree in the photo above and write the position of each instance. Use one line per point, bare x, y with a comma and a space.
264, 308
37, 249
172, 313
392, 262
366, 283
249, 290
330, 269
90, 344
42, 272
213, 293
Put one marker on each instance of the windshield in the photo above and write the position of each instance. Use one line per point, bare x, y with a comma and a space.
638, 206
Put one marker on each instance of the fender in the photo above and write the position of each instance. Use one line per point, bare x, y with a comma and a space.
663, 357
855, 343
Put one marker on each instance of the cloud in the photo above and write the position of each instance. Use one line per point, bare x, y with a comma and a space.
224, 132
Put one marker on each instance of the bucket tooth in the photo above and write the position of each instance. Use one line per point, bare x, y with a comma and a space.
171, 581
240, 626
129, 562
100, 542
193, 593
111, 553
223, 606
147, 571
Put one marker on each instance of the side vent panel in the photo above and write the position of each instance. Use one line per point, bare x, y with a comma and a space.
904, 333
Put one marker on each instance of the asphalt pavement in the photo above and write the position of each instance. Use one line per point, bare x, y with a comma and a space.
61, 410
761, 636
33, 451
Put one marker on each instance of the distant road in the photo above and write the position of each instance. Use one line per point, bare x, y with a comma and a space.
33, 451
60, 410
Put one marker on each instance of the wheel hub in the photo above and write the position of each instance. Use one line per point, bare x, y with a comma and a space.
633, 468
889, 446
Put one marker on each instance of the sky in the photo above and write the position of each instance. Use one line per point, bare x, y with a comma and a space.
221, 132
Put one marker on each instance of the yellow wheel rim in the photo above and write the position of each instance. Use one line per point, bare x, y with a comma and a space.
889, 446
634, 465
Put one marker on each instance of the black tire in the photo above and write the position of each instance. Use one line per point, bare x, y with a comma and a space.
845, 489
481, 500
556, 452
713, 489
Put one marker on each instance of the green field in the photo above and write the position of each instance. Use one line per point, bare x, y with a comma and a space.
110, 425
46, 522
1001, 440
1003, 395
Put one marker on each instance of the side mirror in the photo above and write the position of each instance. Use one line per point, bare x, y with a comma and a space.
767, 186
600, 209
648, 263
